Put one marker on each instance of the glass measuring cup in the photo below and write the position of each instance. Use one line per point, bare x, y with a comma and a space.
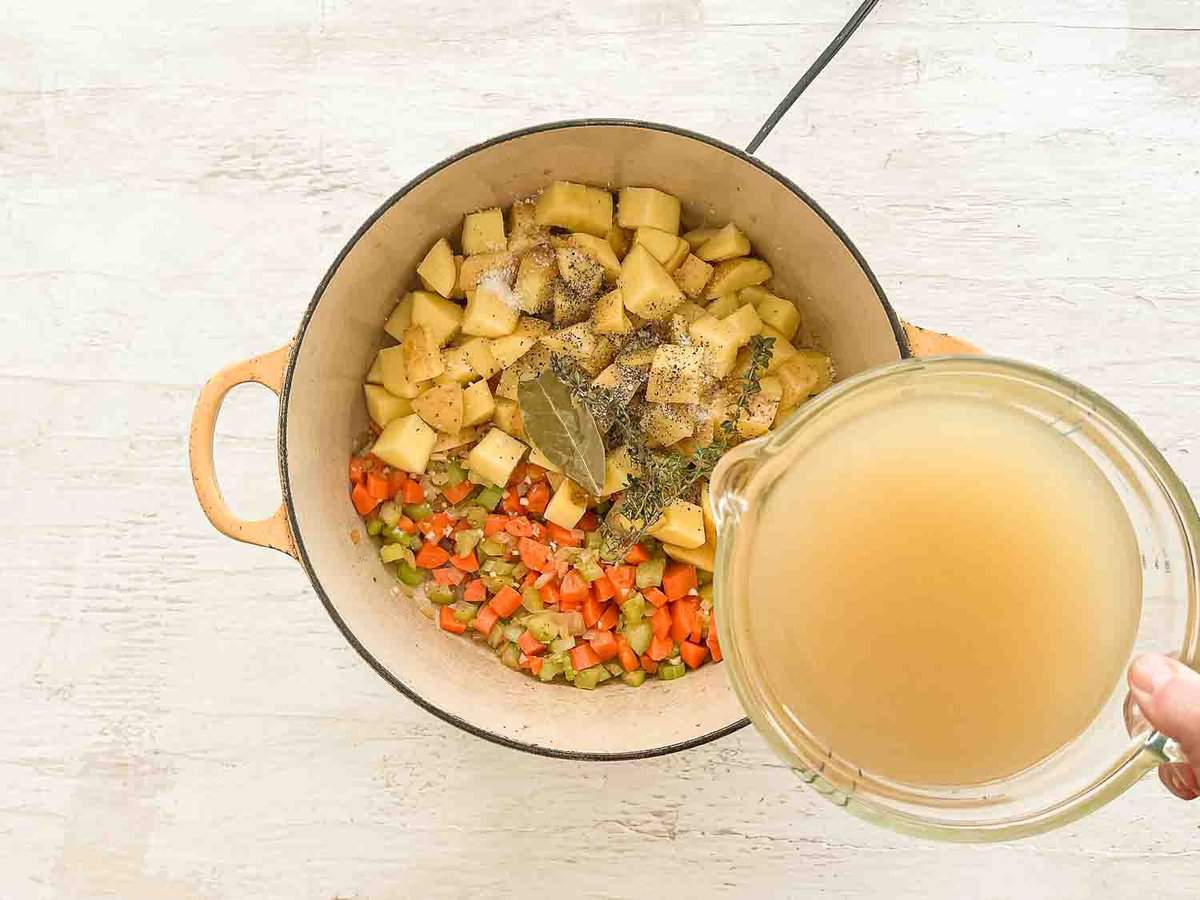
1116, 749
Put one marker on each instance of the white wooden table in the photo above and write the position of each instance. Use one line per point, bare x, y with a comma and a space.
178, 716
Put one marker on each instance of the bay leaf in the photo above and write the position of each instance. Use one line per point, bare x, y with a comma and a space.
563, 430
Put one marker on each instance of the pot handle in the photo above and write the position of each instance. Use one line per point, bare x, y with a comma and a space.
266, 370
924, 342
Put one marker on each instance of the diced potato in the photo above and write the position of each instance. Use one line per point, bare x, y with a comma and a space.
478, 404
577, 342
446, 442
601, 251
706, 507
619, 239
406, 444
761, 409
728, 243
441, 407
744, 322
668, 423
697, 237
624, 381
602, 354
537, 458
458, 293
639, 358
780, 314
579, 270
618, 468
638, 206
781, 351
422, 358
646, 288
383, 407
479, 354
507, 350
753, 295
702, 557
720, 343
508, 417
400, 318
568, 505
437, 270
375, 373
497, 266
523, 230
495, 456
483, 232
681, 524
662, 245
395, 378
528, 367
441, 317
734, 274
692, 275
458, 368
535, 280
608, 316
676, 375
576, 207
570, 307
805, 373
724, 306
492, 311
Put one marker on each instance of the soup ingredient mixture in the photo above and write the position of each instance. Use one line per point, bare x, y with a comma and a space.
559, 389
960, 601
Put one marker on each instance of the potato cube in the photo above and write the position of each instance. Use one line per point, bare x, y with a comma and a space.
458, 368
720, 343
619, 239
383, 407
441, 317
706, 507
458, 293
702, 557
579, 270
676, 374
400, 318
478, 405
577, 342
441, 406
483, 232
724, 306
638, 206
422, 358
692, 275
697, 237
406, 444
640, 357
761, 409
646, 288
500, 266
624, 381
753, 295
602, 354
728, 243
508, 417
690, 311
568, 505
495, 456
744, 322
576, 207
608, 316
780, 314
528, 367
600, 250
492, 310
395, 378
447, 442
618, 468
437, 270
523, 230
569, 306
375, 373
479, 354
661, 244
535, 280
781, 351
734, 274
667, 423
807, 370
681, 524
510, 348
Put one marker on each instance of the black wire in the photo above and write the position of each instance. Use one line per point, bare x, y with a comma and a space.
813, 71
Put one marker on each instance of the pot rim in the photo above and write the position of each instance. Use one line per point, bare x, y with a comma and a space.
285, 395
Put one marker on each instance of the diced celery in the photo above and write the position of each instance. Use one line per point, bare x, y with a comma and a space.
634, 678
590, 569
476, 515
410, 575
440, 595
393, 552
634, 609
650, 573
550, 668
563, 644
403, 538
497, 567
670, 671
496, 635
589, 678
488, 547
455, 474
593, 540
467, 540
418, 511
531, 599
465, 612
542, 627
489, 498
639, 637
495, 583
511, 655
389, 512
513, 632
614, 668
520, 570
706, 594
703, 576
374, 526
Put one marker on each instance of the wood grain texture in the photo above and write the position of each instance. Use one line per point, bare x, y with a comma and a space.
179, 716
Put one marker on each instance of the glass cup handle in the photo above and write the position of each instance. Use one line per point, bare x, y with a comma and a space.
1163, 748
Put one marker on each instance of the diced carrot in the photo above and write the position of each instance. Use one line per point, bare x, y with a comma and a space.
609, 618
538, 498
364, 503
629, 659
683, 619
494, 524
623, 578
475, 591
448, 576
506, 602
569, 605
512, 502
679, 579
714, 644
535, 472
661, 622
358, 470
539, 532
605, 646
660, 648
583, 657
535, 664
693, 654
593, 608
549, 592
449, 623
519, 526
436, 525
523, 661
485, 619
536, 556
396, 480
574, 587
637, 554
603, 588
530, 645
461, 525
459, 492
564, 537
377, 486
413, 492
468, 563
697, 629
430, 556
649, 664
588, 522
407, 525
655, 596
518, 473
